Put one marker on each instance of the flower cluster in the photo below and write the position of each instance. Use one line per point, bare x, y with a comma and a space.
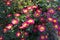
38, 18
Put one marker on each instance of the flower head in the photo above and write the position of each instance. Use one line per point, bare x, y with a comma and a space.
51, 11
18, 34
14, 21
9, 26
30, 21
41, 28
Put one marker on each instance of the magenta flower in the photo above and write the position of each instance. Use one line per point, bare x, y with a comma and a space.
24, 25
25, 11
56, 26
55, 20
14, 21
29, 7
9, 15
9, 26
36, 14
30, 21
18, 34
17, 14
41, 28
1, 38
50, 10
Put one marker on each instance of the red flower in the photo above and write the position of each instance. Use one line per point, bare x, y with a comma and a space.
54, 20
8, 3
1, 38
50, 10
14, 21
25, 10
24, 25
36, 14
9, 26
29, 8
5, 30
18, 34
9, 15
30, 21
56, 26
50, 19
17, 14
41, 28
42, 19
